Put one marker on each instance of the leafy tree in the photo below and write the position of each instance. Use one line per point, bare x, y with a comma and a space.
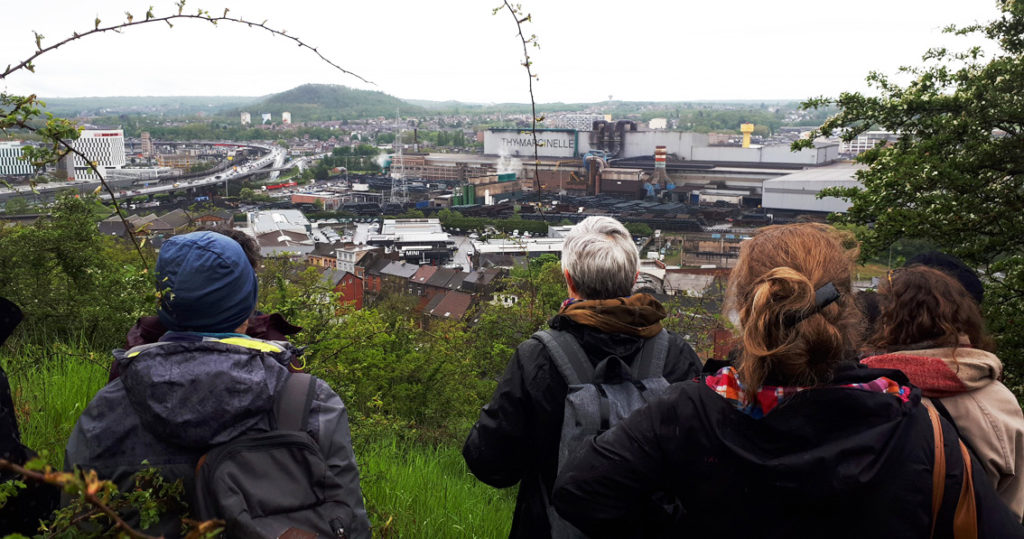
955, 175
639, 229
16, 205
70, 280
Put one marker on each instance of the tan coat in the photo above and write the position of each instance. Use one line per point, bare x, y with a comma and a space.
986, 412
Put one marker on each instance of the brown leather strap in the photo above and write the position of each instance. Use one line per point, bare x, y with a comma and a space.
939, 468
965, 520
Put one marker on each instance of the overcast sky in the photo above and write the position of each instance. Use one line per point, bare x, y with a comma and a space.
659, 50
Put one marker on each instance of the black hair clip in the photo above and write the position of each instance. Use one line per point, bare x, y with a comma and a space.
823, 297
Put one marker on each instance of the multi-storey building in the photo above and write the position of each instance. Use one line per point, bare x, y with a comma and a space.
11, 163
103, 147
147, 145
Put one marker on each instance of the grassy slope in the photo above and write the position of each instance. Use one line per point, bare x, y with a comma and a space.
410, 490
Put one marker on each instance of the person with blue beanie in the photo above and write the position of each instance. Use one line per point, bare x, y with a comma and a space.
205, 383
206, 283
222, 298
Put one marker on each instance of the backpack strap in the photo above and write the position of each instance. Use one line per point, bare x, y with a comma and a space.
651, 363
965, 516
944, 413
939, 466
569, 358
292, 402
965, 520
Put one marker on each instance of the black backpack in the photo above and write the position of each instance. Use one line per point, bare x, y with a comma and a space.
599, 397
277, 483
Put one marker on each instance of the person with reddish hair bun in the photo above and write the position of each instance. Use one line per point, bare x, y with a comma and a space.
932, 330
797, 440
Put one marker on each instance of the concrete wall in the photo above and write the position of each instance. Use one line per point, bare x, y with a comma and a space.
802, 202
642, 143
767, 154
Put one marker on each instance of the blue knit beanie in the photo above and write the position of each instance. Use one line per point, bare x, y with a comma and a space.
206, 283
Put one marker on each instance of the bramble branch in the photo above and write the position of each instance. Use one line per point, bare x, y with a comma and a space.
518, 16
150, 18
89, 486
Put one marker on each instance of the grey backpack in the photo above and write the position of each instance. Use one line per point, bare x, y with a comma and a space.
599, 397
276, 483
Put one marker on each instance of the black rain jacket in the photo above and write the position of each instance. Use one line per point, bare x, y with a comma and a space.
828, 462
178, 398
516, 438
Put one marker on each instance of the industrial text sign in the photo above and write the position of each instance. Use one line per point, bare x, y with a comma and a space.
520, 143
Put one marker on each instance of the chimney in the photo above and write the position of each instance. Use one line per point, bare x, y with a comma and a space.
660, 177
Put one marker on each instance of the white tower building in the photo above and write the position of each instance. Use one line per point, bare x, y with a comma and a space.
104, 147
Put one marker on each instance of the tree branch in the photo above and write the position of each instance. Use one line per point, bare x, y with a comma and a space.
89, 497
103, 182
203, 16
527, 63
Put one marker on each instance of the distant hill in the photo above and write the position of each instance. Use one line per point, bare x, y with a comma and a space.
168, 105
332, 102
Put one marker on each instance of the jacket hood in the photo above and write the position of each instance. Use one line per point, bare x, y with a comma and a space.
197, 394
943, 372
820, 443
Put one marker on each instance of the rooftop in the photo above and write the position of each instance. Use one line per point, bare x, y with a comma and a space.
263, 222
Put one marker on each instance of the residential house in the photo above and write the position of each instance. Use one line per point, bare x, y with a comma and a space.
455, 283
453, 306
396, 276
418, 285
438, 282
373, 280
347, 285
351, 258
324, 255
481, 281
215, 220
178, 220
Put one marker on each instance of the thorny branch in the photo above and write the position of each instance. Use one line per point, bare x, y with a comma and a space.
20, 115
150, 18
518, 16
63, 479
113, 197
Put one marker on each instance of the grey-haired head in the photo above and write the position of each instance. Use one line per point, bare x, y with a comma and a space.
600, 258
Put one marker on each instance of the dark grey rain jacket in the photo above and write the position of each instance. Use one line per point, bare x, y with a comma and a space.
175, 400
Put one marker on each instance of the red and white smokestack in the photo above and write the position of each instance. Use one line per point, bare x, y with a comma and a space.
660, 177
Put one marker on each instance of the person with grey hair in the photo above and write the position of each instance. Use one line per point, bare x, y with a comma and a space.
599, 259
517, 437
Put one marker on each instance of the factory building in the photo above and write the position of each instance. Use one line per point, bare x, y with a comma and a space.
799, 191
622, 139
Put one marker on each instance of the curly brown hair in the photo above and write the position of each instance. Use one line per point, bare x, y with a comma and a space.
773, 283
925, 306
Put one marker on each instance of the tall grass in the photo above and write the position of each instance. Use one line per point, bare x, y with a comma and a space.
427, 492
411, 489
51, 387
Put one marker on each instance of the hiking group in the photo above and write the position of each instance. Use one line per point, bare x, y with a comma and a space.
838, 413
